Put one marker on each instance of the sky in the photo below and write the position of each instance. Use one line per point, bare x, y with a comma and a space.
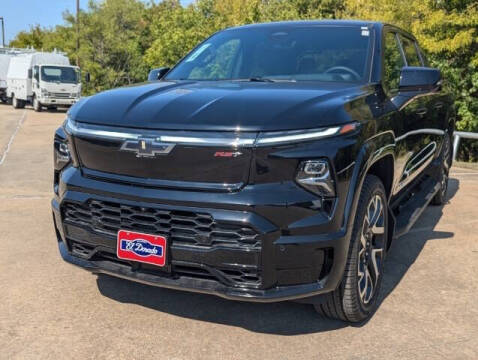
20, 14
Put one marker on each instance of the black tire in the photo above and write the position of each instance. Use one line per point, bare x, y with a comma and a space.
17, 104
446, 156
348, 302
36, 104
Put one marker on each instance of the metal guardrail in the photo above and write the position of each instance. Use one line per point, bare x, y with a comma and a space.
457, 135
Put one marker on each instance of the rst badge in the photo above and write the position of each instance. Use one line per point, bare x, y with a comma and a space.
147, 147
149, 249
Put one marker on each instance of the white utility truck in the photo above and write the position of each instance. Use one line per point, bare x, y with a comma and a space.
4, 62
5, 56
43, 79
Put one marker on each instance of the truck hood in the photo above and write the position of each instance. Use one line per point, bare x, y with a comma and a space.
224, 105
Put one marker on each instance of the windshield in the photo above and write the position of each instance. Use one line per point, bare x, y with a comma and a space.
280, 53
59, 74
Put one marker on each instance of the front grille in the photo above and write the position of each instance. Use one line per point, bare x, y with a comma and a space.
180, 227
61, 95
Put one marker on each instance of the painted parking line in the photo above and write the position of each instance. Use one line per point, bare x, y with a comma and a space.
10, 141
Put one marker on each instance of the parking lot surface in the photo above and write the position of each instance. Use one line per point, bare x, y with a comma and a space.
49, 309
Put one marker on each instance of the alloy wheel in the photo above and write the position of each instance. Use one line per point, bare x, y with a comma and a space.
371, 249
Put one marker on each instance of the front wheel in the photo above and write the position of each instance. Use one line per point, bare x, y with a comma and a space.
356, 297
36, 104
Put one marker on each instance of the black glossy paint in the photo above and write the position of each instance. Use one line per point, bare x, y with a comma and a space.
304, 238
221, 105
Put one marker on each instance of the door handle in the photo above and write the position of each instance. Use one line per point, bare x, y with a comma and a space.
421, 111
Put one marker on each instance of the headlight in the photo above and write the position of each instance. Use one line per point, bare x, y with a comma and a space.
61, 156
61, 150
316, 176
45, 92
61, 153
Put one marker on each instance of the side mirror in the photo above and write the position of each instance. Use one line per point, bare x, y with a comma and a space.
87, 77
29, 73
157, 74
419, 79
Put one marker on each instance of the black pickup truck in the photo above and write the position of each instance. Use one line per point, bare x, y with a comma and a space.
274, 162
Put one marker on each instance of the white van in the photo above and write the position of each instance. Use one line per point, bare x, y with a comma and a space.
43, 79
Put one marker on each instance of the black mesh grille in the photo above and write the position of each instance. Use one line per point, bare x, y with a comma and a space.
181, 227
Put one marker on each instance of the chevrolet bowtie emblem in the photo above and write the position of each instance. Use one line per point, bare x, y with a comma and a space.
147, 147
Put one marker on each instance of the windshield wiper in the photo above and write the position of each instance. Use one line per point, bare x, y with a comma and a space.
255, 79
264, 79
260, 79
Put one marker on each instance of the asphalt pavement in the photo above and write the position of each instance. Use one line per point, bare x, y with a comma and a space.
52, 310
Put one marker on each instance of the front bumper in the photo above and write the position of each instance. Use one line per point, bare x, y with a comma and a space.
58, 101
204, 286
302, 259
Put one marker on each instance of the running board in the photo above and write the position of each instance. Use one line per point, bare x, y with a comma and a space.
408, 213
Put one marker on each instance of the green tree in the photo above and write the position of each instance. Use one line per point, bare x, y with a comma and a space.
448, 32
111, 46
122, 39
174, 30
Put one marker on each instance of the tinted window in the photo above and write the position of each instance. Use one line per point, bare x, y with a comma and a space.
323, 53
36, 74
59, 74
410, 52
216, 65
393, 63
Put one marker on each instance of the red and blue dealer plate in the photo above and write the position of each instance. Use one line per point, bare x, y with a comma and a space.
149, 249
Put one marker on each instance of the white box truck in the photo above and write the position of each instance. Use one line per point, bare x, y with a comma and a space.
4, 62
5, 55
43, 79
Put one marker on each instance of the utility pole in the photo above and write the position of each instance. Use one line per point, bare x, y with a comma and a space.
77, 32
3, 31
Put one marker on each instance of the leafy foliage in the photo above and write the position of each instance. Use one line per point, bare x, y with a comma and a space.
448, 32
122, 39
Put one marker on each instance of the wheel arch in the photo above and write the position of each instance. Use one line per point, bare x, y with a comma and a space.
376, 157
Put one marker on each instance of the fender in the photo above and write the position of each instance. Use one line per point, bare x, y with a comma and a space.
373, 149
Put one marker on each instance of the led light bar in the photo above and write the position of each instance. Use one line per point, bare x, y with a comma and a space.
205, 138
294, 136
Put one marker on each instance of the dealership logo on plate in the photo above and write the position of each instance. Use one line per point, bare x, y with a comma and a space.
150, 249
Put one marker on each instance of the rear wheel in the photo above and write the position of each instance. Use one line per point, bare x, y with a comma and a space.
15, 103
440, 197
356, 298
36, 104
